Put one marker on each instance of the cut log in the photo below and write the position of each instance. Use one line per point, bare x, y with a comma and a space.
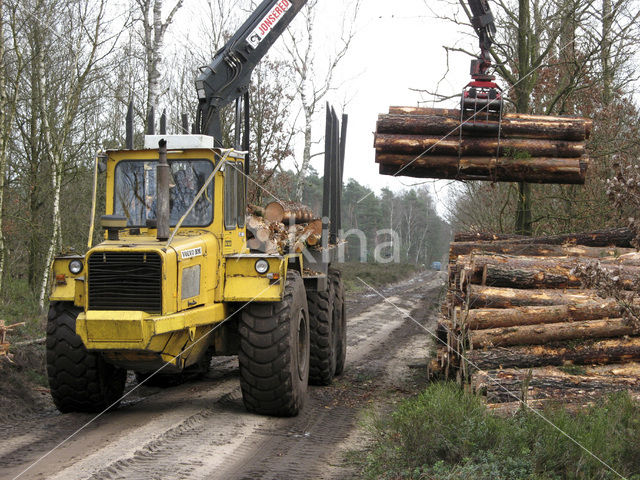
533, 249
618, 237
472, 146
532, 126
483, 318
313, 239
552, 332
505, 169
501, 276
287, 213
550, 382
258, 228
255, 210
585, 353
629, 259
559, 265
485, 236
455, 114
494, 297
315, 226
274, 212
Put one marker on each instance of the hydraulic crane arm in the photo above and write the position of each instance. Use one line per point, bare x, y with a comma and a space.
228, 75
482, 93
483, 24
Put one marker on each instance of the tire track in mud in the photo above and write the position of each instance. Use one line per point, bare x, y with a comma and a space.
312, 445
202, 431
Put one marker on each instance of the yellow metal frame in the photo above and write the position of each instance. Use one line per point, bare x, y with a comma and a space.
227, 274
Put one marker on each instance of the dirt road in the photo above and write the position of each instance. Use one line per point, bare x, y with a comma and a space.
200, 430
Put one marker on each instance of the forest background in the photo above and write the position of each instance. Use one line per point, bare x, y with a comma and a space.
69, 68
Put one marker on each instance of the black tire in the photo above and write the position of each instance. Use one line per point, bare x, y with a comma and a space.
339, 320
274, 352
322, 363
79, 380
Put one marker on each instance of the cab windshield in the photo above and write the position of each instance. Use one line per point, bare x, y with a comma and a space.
135, 191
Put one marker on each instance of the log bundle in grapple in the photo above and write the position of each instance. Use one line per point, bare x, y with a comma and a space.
440, 143
516, 304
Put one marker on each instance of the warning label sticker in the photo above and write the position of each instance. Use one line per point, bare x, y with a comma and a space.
267, 24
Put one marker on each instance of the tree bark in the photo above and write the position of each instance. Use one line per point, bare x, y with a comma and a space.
552, 332
586, 353
550, 383
531, 127
499, 276
472, 146
553, 277
4, 129
534, 249
487, 318
505, 169
618, 237
485, 237
287, 213
493, 297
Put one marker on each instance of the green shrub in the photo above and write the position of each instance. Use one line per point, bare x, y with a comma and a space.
446, 433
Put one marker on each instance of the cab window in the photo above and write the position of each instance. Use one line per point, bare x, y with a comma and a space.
230, 197
240, 193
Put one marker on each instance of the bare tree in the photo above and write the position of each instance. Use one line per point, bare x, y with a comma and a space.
314, 82
559, 57
154, 29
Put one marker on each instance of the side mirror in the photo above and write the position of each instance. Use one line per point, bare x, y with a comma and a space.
102, 164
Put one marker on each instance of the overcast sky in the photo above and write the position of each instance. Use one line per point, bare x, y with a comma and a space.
398, 47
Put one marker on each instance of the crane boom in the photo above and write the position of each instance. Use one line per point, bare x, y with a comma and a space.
228, 75
482, 94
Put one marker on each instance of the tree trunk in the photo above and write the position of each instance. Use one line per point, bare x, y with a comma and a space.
553, 277
586, 353
551, 332
534, 249
485, 318
4, 129
287, 213
618, 237
493, 297
531, 127
504, 169
471, 146
551, 383
485, 237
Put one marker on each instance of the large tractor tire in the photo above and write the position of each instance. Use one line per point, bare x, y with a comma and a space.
339, 320
274, 352
80, 381
322, 365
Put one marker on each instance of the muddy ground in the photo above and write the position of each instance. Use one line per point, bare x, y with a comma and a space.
200, 430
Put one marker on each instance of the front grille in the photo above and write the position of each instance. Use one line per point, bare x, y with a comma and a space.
125, 281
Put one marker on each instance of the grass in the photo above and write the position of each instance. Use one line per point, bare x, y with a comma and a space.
19, 304
446, 433
375, 274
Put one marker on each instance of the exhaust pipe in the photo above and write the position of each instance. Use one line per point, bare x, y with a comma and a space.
162, 191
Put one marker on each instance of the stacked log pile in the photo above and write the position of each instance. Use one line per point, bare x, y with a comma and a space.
518, 323
438, 143
280, 228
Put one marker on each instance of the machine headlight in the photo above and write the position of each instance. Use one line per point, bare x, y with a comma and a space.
262, 266
75, 266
